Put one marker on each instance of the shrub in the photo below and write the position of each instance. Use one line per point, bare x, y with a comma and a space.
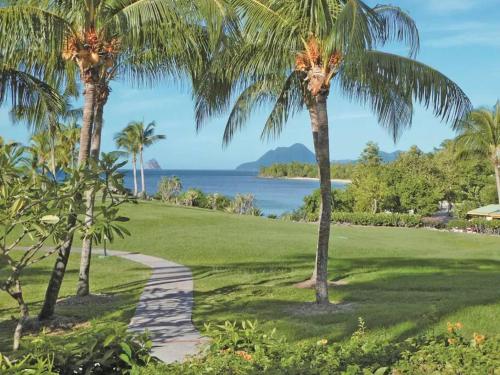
244, 204
476, 225
169, 188
105, 351
247, 349
193, 198
218, 201
381, 219
28, 364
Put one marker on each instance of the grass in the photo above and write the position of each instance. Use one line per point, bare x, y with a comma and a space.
401, 281
120, 278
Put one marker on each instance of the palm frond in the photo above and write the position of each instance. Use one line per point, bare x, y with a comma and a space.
427, 86
25, 90
289, 101
398, 26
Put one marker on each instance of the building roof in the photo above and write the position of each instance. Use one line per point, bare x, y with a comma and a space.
492, 210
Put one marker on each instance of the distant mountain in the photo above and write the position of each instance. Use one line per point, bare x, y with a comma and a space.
387, 157
152, 164
297, 152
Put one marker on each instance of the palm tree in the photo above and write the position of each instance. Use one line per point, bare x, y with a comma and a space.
127, 140
139, 40
143, 137
24, 89
293, 52
479, 135
48, 121
67, 144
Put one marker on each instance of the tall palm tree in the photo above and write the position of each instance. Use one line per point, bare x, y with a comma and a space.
127, 140
41, 118
67, 144
293, 53
139, 40
479, 135
144, 136
22, 88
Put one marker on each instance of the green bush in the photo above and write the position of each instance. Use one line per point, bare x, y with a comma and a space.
381, 219
169, 188
107, 351
244, 204
28, 364
218, 201
247, 349
193, 198
476, 225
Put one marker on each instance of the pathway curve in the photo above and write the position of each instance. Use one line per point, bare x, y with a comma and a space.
165, 308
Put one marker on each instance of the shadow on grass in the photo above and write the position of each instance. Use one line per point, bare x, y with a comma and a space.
118, 309
413, 294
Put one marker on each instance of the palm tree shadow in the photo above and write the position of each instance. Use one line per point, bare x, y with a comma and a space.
411, 293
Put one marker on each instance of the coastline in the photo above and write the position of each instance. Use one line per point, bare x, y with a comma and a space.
336, 180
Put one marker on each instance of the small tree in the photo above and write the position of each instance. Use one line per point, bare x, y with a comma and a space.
169, 188
40, 216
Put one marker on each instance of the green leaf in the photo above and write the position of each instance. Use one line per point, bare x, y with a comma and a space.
126, 348
50, 219
125, 359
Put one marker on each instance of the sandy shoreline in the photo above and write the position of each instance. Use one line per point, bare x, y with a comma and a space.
337, 180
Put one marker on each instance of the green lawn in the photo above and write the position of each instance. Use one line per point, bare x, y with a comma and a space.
121, 279
401, 281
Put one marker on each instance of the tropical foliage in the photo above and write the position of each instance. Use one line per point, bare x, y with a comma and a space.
337, 171
248, 349
134, 139
479, 135
291, 54
38, 207
170, 191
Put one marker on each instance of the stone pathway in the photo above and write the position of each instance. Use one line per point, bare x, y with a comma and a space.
165, 308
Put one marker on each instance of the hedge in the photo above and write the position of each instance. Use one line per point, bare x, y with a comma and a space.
379, 219
476, 225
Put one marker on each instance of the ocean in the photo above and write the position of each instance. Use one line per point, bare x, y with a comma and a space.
273, 196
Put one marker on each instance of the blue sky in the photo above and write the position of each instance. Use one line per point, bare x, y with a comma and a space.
461, 38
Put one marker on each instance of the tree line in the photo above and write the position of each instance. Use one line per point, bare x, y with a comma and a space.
416, 182
296, 169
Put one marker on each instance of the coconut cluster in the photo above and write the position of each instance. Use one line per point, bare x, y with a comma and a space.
91, 50
310, 61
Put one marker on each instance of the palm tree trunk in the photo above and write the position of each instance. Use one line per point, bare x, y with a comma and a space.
497, 176
143, 184
134, 171
57, 276
83, 286
90, 94
313, 114
322, 150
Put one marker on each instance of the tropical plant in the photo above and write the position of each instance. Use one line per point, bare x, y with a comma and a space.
142, 137
47, 124
126, 140
291, 53
169, 188
138, 40
24, 89
479, 135
42, 214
